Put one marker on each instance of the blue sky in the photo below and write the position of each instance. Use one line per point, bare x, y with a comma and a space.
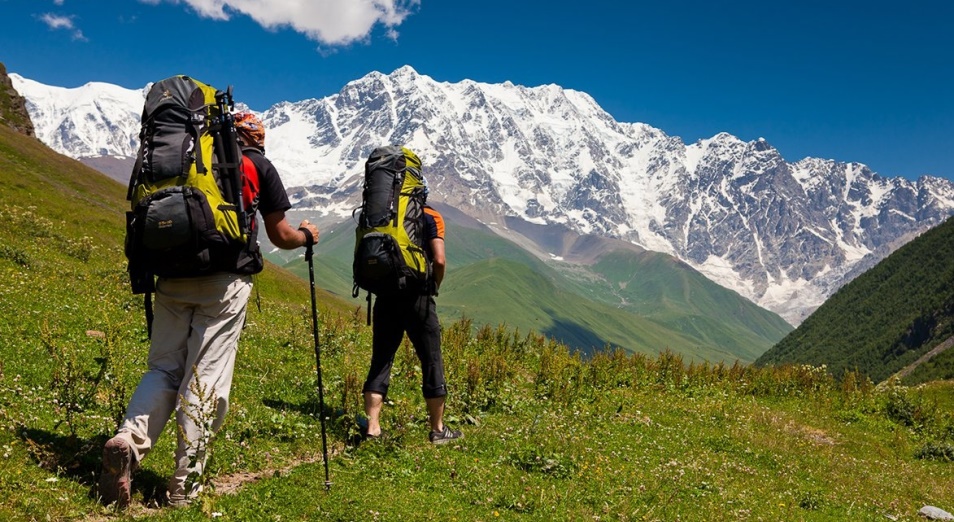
865, 81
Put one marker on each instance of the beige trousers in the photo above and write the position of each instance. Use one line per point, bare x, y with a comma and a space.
195, 336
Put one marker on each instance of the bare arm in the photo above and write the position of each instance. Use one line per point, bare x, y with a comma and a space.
439, 260
283, 235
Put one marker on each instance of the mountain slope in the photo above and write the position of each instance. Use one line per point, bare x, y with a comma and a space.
783, 234
663, 303
97, 119
886, 318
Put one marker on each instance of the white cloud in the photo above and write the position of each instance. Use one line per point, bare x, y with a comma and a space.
330, 22
57, 21
62, 22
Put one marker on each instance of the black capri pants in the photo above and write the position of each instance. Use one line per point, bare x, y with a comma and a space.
416, 315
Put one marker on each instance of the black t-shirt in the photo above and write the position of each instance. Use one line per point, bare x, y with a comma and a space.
271, 194
271, 197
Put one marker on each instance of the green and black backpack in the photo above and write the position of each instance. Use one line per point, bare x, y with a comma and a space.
187, 215
389, 255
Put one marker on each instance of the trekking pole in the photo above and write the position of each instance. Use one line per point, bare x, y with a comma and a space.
314, 322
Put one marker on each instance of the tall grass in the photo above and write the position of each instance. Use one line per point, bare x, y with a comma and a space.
549, 434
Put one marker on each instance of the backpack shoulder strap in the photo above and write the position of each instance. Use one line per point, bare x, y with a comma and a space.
137, 167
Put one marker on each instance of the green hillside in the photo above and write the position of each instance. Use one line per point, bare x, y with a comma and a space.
669, 292
642, 302
548, 435
885, 319
487, 291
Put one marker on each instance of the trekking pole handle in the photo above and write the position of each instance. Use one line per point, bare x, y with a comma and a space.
309, 240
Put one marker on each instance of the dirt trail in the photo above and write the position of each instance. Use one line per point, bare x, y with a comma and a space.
904, 372
224, 485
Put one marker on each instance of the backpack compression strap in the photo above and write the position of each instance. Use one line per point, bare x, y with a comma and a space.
147, 303
369, 308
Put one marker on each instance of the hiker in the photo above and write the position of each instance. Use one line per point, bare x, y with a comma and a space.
195, 334
411, 310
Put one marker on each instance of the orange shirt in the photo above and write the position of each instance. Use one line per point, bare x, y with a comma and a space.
433, 225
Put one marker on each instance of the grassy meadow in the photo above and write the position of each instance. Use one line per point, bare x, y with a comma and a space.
548, 435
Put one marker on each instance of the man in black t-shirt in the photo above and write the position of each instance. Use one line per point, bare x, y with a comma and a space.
195, 334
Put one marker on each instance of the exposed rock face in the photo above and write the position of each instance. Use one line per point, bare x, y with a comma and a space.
13, 111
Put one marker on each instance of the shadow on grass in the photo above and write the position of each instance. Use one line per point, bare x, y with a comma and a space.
311, 407
81, 460
339, 423
576, 336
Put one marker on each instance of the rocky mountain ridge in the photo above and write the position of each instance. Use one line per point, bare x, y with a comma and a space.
784, 234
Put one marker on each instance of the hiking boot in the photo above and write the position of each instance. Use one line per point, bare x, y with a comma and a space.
182, 500
115, 484
446, 435
380, 436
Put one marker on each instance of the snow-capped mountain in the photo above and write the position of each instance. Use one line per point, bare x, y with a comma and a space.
97, 119
786, 235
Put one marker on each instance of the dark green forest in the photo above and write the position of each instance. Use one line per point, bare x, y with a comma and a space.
885, 319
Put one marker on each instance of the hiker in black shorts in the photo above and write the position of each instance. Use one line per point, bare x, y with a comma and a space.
415, 313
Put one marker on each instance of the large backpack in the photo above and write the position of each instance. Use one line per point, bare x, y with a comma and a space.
187, 216
389, 255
